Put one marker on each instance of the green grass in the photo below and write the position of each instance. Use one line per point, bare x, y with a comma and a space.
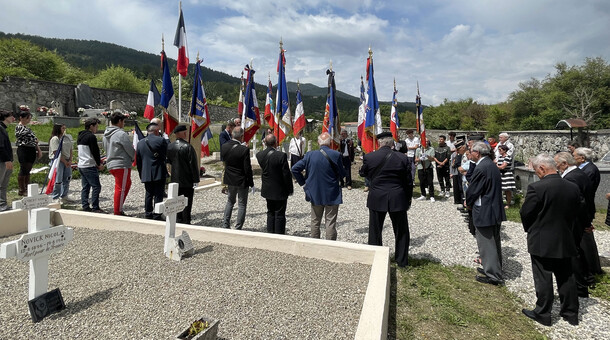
432, 301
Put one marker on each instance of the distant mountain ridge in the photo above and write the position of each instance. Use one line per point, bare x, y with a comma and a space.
93, 56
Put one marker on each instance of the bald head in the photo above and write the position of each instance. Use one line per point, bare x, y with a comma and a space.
270, 141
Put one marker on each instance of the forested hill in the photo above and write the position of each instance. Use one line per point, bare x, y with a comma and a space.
93, 56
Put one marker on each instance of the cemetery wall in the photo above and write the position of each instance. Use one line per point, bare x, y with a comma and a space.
16, 91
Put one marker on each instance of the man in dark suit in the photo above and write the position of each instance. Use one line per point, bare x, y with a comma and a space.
390, 191
548, 218
321, 185
277, 184
225, 135
237, 176
150, 159
346, 148
484, 197
584, 159
185, 170
570, 172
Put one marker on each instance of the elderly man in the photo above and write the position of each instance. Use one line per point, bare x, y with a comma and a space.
276, 184
185, 170
390, 191
484, 197
324, 169
150, 160
570, 172
504, 141
237, 176
549, 218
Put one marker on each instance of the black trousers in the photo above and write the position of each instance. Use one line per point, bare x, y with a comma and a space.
400, 224
276, 216
154, 195
444, 181
458, 193
347, 165
294, 159
185, 215
426, 180
543, 270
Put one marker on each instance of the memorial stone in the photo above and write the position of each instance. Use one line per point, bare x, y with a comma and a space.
175, 247
117, 105
83, 96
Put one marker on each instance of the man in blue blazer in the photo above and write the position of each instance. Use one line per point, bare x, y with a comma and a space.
150, 159
484, 197
321, 185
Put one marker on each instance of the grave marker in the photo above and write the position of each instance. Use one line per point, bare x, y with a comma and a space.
36, 246
34, 200
175, 247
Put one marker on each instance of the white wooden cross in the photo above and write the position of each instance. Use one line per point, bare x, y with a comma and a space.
34, 200
36, 246
170, 207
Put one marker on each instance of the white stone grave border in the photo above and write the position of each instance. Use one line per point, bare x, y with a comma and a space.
373, 323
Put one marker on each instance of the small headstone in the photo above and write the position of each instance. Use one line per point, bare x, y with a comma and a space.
175, 247
83, 95
116, 105
58, 107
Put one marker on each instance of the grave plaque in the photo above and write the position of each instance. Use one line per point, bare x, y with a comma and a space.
46, 304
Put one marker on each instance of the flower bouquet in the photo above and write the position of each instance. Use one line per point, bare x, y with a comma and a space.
51, 112
42, 110
24, 108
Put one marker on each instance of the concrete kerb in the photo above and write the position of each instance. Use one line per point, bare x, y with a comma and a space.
373, 322
15, 221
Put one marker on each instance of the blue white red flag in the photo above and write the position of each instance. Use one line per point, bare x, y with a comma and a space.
282, 110
180, 42
331, 115
168, 100
53, 171
154, 98
199, 104
394, 120
205, 140
299, 115
421, 128
250, 119
137, 136
372, 118
269, 115
361, 110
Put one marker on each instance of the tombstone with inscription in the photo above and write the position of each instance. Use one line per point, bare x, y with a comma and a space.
83, 96
58, 107
175, 247
36, 246
117, 105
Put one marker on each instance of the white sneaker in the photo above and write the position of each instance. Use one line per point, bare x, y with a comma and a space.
447, 194
442, 193
432, 199
421, 198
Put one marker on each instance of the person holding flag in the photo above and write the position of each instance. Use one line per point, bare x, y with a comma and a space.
331, 116
283, 121
250, 118
61, 170
199, 105
153, 100
120, 154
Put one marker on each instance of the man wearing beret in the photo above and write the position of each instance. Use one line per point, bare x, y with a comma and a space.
390, 191
150, 159
185, 170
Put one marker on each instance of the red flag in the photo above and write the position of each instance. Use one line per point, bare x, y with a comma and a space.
180, 42
170, 123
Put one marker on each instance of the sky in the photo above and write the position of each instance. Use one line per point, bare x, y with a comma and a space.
455, 49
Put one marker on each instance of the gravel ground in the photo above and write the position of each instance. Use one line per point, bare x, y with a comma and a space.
438, 232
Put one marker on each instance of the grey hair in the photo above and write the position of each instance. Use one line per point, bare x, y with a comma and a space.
482, 148
585, 152
386, 141
238, 133
504, 134
324, 139
565, 156
544, 159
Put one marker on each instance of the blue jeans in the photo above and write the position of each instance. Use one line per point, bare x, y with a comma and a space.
62, 181
241, 206
90, 180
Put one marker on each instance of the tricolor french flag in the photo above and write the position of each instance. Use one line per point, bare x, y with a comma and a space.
299, 115
137, 136
205, 140
53, 171
361, 110
394, 120
269, 116
154, 97
180, 42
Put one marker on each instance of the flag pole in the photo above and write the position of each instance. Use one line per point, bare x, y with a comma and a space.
375, 114
277, 122
194, 94
179, 80
332, 131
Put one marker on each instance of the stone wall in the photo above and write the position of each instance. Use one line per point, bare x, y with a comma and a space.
35, 93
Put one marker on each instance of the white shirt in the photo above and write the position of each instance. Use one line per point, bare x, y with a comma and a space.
511, 149
411, 143
450, 145
570, 168
295, 148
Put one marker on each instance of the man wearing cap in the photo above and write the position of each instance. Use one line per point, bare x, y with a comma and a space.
185, 170
390, 191
150, 158
237, 176
119, 159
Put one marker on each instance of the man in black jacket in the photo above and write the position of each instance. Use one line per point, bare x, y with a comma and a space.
390, 191
150, 158
277, 184
346, 148
185, 170
237, 176
89, 166
549, 215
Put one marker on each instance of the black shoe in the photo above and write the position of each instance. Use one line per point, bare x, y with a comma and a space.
532, 315
489, 280
87, 209
572, 321
98, 210
480, 270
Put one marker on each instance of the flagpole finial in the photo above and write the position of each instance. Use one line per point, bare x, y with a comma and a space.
251, 63
298, 84
162, 42
281, 44
197, 56
370, 52
331, 64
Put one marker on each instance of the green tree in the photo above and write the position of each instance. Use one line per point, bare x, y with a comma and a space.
119, 78
23, 59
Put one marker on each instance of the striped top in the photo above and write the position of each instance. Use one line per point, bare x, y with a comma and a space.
508, 180
24, 136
